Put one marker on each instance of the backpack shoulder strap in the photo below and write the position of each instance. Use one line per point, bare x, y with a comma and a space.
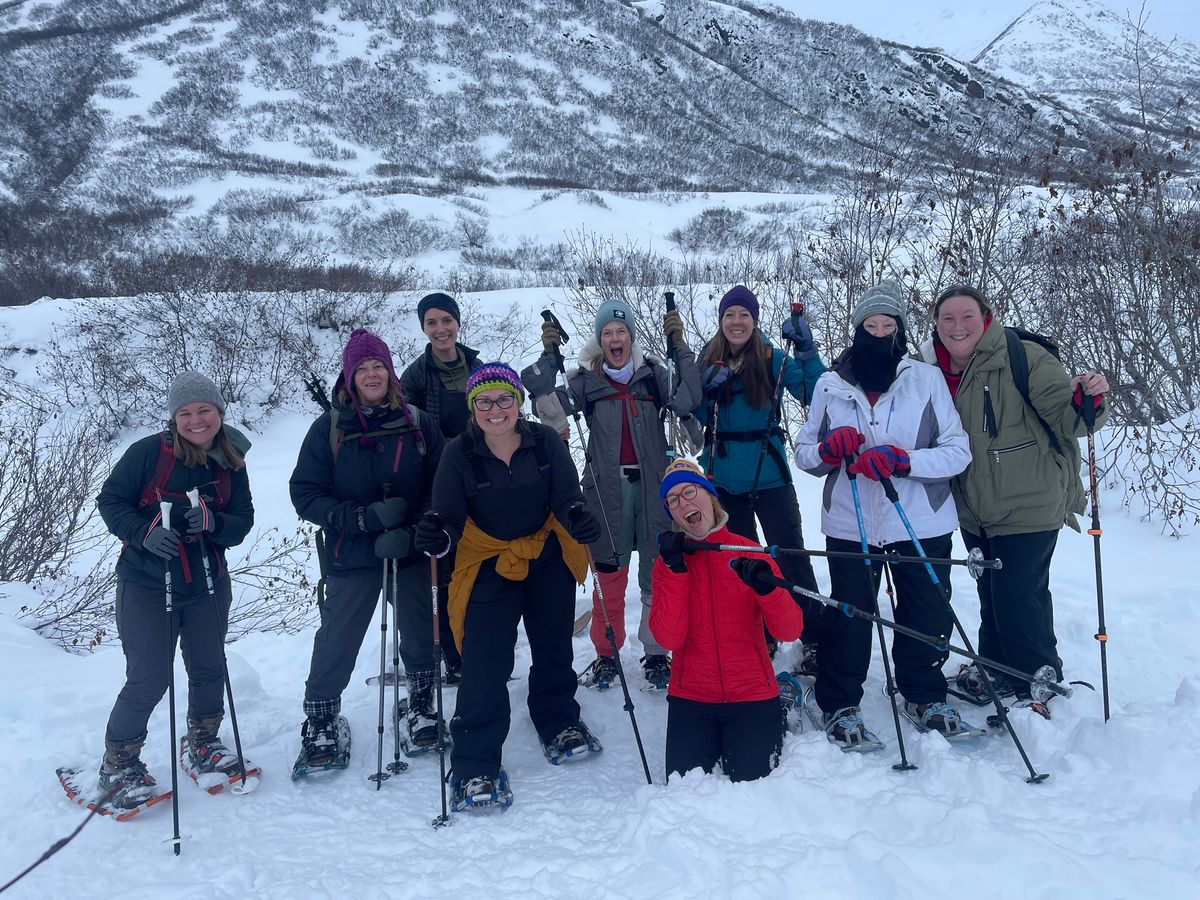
162, 471
539, 450
1018, 365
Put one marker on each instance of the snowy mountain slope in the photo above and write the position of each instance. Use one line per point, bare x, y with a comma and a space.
1119, 816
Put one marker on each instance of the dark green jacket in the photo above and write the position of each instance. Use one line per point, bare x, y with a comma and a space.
1016, 482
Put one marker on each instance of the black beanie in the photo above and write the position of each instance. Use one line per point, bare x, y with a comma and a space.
437, 301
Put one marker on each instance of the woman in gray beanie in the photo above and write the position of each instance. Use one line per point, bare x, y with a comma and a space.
198, 451
625, 396
879, 414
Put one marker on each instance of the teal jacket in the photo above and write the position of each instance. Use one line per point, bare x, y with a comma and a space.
740, 426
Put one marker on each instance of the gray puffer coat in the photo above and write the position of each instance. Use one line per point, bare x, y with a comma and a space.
605, 408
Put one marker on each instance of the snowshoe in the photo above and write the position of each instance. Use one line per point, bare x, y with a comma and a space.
844, 728
215, 767
601, 674
1041, 707
420, 732
574, 740
582, 622
324, 747
452, 676
791, 698
657, 668
481, 793
136, 792
389, 679
967, 684
940, 718
807, 666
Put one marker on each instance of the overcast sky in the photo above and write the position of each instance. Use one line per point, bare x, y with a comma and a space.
964, 28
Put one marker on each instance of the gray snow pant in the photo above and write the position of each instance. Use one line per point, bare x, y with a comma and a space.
351, 602
149, 648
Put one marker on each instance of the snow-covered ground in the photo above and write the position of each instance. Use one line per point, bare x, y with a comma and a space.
1118, 817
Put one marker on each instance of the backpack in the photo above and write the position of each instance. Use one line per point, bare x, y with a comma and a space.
623, 393
153, 491
1018, 364
337, 436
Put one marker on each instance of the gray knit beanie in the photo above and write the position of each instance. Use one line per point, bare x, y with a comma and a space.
615, 311
192, 387
885, 297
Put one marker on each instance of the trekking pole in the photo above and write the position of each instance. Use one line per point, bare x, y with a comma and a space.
380, 776
975, 561
1040, 686
548, 316
239, 787
669, 298
396, 766
710, 433
776, 406
873, 592
164, 511
1042, 681
1088, 413
612, 642
434, 589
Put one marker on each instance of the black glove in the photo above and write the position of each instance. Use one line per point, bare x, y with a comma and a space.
713, 380
670, 549
384, 514
582, 525
162, 542
430, 535
803, 346
200, 518
753, 572
395, 544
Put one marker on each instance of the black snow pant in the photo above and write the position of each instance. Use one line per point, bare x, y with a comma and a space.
846, 645
149, 647
482, 714
351, 603
778, 512
1016, 611
745, 738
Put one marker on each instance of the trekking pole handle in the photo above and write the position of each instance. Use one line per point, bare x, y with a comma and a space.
1087, 411
669, 298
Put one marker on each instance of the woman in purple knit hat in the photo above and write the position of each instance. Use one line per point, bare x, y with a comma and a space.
364, 476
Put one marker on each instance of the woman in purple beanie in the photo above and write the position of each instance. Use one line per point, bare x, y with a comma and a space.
364, 475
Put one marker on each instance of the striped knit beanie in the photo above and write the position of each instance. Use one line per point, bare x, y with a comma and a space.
491, 377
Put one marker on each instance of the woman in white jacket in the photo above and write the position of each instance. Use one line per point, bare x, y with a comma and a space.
876, 413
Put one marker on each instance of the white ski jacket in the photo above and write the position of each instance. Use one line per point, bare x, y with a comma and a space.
916, 414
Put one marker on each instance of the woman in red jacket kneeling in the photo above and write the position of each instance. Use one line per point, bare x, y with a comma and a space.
723, 700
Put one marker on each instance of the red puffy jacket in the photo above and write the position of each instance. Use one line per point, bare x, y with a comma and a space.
713, 624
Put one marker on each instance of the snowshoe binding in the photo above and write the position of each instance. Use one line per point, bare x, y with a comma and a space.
844, 727
574, 740
134, 790
968, 684
419, 734
807, 666
215, 767
657, 668
324, 746
791, 699
481, 793
941, 718
601, 674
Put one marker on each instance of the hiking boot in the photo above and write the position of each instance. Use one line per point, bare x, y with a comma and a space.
318, 741
658, 670
422, 722
940, 717
574, 740
970, 682
480, 792
845, 728
808, 661
207, 753
124, 774
601, 674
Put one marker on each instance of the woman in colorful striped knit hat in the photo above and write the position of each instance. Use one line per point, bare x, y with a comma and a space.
507, 494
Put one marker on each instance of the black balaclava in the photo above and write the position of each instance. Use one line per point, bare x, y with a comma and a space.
874, 359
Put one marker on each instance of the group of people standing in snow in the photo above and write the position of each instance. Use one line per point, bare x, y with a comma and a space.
440, 463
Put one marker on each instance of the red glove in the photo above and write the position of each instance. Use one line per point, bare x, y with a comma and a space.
881, 462
839, 444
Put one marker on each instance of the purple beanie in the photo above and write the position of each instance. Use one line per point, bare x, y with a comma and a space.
494, 376
739, 295
363, 346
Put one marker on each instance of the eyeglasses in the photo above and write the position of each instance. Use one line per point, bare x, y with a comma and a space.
504, 401
688, 492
